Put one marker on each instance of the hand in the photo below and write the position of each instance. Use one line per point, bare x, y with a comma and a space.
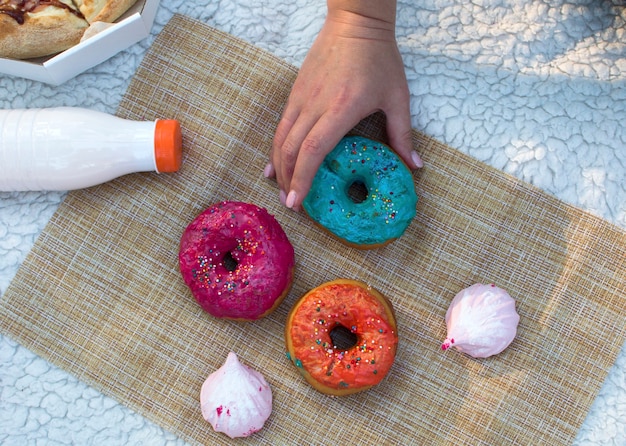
353, 69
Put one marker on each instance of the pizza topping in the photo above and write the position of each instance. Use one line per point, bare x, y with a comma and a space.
18, 8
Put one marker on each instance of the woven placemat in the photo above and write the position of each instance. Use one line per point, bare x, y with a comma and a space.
100, 294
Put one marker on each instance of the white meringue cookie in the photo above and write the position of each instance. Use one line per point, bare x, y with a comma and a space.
481, 321
235, 399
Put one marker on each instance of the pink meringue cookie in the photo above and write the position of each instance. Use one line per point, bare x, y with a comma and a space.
235, 399
481, 321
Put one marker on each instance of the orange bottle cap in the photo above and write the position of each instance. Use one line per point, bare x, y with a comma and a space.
168, 145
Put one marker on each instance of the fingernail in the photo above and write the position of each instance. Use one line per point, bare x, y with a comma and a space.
416, 159
268, 171
291, 199
283, 197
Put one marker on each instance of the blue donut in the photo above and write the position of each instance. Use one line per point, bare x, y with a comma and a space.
362, 193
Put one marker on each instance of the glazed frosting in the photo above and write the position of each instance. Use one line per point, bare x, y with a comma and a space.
354, 306
481, 321
246, 236
236, 399
391, 199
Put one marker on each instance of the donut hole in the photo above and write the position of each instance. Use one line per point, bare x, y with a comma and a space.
343, 339
229, 262
357, 191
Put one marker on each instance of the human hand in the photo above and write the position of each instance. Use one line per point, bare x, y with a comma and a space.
353, 69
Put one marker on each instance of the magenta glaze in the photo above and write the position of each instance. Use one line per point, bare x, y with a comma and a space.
255, 240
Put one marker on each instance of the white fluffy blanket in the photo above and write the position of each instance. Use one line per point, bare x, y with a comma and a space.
535, 88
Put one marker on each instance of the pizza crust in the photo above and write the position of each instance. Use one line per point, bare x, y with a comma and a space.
51, 29
44, 32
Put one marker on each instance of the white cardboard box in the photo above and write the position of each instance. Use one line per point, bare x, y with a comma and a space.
130, 28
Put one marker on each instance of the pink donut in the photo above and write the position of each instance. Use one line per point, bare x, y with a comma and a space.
237, 261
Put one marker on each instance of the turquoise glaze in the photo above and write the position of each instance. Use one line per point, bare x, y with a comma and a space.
391, 199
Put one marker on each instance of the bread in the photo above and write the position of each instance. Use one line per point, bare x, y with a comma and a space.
33, 29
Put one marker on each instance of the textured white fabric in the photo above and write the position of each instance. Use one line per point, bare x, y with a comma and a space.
535, 88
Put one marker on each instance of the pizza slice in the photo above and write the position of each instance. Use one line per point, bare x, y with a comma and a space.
35, 28
38, 28
103, 10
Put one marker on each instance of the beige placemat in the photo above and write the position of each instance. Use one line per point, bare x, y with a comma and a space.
100, 295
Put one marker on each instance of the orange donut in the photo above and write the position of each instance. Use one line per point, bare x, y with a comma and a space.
349, 309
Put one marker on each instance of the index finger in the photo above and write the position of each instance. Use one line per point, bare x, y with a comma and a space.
321, 139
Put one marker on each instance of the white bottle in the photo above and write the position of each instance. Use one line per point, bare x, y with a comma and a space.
69, 148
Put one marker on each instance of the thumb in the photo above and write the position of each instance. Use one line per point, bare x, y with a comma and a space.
400, 135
